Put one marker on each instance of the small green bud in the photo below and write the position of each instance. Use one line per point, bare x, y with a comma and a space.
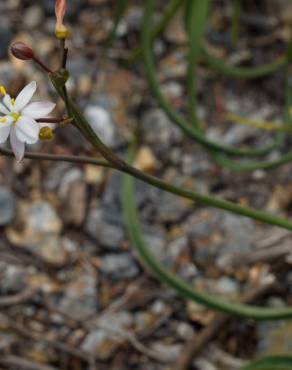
59, 78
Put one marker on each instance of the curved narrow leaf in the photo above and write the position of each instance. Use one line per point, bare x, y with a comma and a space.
271, 363
175, 117
180, 286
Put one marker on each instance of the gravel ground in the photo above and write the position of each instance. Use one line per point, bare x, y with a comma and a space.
73, 294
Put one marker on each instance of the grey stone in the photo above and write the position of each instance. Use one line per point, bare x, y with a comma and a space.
170, 208
203, 364
156, 242
167, 351
12, 278
111, 199
104, 232
194, 165
41, 217
7, 72
101, 122
145, 195
40, 231
218, 235
5, 40
69, 177
119, 266
158, 129
188, 272
7, 206
104, 340
226, 285
185, 331
33, 16
274, 337
54, 175
80, 298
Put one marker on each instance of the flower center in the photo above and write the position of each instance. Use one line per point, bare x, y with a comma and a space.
15, 116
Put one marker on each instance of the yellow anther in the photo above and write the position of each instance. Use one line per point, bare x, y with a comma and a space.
46, 133
12, 101
62, 33
3, 90
15, 116
3, 120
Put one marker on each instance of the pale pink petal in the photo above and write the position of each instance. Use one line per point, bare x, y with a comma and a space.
25, 96
38, 109
16, 145
60, 9
4, 133
27, 130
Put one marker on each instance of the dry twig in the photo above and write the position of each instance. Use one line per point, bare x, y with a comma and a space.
196, 344
18, 298
20, 363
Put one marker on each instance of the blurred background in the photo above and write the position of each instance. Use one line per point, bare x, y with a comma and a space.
73, 294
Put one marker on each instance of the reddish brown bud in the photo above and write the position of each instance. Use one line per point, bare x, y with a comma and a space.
22, 51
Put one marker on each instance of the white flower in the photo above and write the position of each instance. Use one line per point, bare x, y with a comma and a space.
19, 120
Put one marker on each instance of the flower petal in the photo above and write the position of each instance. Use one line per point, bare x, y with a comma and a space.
38, 109
8, 103
3, 109
4, 133
24, 96
6, 121
27, 130
16, 145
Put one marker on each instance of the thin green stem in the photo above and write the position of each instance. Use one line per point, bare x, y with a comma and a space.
196, 18
214, 62
197, 22
220, 158
235, 21
223, 160
188, 9
247, 167
192, 77
172, 114
121, 6
242, 72
167, 277
166, 17
82, 124
58, 158
280, 362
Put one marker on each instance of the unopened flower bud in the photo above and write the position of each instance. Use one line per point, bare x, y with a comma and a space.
61, 30
22, 51
46, 133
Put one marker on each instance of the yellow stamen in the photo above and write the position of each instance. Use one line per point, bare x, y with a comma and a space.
62, 33
3, 90
15, 116
12, 101
46, 133
3, 120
